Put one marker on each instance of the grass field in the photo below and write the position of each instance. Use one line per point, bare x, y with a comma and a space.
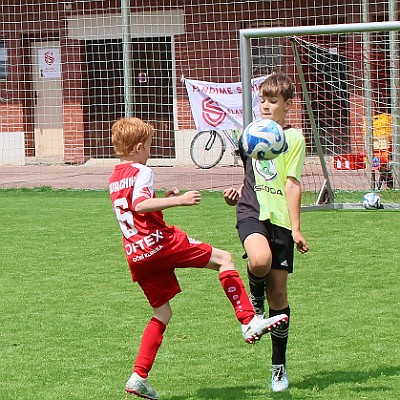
71, 319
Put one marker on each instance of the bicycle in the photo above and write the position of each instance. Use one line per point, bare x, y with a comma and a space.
208, 147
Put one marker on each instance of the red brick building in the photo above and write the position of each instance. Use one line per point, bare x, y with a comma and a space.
62, 77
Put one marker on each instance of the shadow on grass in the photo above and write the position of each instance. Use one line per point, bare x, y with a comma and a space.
225, 393
238, 393
322, 380
315, 382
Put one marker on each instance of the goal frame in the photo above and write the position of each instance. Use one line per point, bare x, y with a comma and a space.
245, 36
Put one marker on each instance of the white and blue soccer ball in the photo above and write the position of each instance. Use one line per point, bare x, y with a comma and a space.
263, 139
372, 201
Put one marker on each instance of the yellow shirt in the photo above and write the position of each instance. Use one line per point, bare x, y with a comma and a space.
263, 194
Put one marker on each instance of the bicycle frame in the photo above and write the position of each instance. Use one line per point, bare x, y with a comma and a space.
232, 135
208, 147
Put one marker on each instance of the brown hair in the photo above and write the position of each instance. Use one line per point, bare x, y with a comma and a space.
129, 132
276, 84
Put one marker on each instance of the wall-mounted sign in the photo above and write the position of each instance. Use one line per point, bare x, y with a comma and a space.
49, 62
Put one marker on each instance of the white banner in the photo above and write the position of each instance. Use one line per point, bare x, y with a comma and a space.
219, 105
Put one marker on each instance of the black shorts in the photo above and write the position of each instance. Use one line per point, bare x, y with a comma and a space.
280, 241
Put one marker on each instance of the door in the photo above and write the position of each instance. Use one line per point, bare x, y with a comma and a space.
48, 105
152, 97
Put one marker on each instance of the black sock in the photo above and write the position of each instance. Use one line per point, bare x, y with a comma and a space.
257, 291
279, 338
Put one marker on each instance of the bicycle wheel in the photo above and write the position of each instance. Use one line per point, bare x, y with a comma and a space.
207, 149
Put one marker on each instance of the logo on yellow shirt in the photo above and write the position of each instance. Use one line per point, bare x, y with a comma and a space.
266, 168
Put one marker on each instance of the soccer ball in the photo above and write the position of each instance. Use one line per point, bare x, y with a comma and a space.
263, 139
372, 201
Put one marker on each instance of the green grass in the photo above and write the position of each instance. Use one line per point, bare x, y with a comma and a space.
71, 320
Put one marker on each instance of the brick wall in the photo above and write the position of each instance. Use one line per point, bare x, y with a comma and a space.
208, 50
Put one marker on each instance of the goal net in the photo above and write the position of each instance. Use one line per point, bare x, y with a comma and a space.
347, 103
69, 69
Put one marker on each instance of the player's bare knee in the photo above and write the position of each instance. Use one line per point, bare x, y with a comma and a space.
259, 265
163, 313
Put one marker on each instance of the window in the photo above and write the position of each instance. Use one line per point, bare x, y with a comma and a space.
3, 60
267, 55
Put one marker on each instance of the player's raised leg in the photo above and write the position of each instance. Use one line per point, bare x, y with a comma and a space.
253, 327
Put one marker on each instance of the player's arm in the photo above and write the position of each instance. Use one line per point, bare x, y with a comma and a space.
189, 198
293, 198
144, 201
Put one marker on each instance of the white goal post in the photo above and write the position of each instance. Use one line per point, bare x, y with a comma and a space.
363, 106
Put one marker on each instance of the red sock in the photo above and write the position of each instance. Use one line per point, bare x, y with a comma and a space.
151, 341
237, 295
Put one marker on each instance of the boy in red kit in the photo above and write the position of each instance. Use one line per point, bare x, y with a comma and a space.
153, 249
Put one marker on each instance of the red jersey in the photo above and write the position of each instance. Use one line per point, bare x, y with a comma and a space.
129, 185
150, 245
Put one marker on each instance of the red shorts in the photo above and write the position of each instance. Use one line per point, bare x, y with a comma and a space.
156, 274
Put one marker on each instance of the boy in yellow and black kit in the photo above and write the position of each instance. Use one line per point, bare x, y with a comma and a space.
268, 218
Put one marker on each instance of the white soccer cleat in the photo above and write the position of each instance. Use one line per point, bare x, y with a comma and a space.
140, 387
258, 326
279, 380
